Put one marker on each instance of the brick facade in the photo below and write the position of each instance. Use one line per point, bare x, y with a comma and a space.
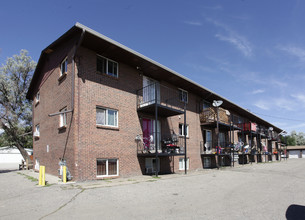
81, 142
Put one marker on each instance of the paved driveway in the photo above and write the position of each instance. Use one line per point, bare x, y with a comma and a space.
257, 191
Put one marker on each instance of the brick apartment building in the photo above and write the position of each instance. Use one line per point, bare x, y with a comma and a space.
105, 111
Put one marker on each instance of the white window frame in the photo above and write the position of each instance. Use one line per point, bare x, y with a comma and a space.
107, 169
37, 130
182, 163
37, 97
182, 130
181, 95
116, 75
63, 118
106, 117
65, 66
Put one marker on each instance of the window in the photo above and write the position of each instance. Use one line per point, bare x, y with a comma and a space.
37, 132
63, 118
206, 105
108, 117
182, 163
107, 167
64, 66
37, 97
106, 66
181, 130
183, 96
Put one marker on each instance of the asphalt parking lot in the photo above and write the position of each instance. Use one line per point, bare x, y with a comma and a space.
258, 191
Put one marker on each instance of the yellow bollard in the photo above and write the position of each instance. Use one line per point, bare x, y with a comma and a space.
42, 177
64, 174
40, 172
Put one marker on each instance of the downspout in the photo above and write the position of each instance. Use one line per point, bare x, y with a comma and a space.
72, 78
73, 67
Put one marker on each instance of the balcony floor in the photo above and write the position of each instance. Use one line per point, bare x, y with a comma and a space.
163, 111
159, 154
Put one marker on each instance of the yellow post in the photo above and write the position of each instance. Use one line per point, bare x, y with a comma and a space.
43, 176
40, 175
64, 174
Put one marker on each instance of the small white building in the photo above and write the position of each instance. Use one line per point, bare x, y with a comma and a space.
10, 157
296, 151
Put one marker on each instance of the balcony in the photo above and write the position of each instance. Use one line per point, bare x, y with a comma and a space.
209, 116
208, 148
168, 145
155, 96
249, 127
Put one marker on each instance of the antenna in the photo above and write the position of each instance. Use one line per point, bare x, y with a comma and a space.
217, 103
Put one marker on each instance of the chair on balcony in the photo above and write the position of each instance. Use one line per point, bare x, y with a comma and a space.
170, 145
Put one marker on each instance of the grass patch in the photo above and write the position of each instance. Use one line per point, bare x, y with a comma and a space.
156, 177
33, 179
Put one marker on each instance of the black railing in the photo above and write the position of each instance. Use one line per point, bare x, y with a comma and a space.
160, 94
166, 144
208, 148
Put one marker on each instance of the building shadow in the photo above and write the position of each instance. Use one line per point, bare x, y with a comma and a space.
295, 212
7, 170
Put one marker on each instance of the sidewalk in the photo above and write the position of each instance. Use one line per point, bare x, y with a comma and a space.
90, 184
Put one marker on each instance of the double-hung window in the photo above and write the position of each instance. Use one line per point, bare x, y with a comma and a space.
107, 167
183, 131
182, 163
63, 118
37, 132
107, 66
64, 67
37, 97
183, 96
107, 117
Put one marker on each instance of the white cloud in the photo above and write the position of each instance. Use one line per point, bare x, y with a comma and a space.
275, 103
231, 36
294, 51
262, 105
258, 91
238, 41
193, 23
299, 97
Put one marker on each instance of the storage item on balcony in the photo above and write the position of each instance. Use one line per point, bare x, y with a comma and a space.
250, 126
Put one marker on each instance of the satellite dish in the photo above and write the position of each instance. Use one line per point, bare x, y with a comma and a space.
217, 103
271, 128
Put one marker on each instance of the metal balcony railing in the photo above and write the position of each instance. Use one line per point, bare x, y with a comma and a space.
159, 94
166, 144
209, 148
209, 115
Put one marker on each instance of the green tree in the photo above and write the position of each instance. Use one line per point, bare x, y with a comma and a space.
15, 109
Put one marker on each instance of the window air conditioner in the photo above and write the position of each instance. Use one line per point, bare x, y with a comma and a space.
36, 134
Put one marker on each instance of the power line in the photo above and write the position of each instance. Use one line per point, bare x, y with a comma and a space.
288, 119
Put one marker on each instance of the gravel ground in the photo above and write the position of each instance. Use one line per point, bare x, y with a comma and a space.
257, 191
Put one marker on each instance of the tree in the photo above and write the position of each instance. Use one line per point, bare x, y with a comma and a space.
15, 109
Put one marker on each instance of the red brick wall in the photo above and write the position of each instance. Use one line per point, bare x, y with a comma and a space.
54, 95
120, 94
115, 93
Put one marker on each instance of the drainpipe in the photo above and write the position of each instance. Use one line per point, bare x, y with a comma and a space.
185, 156
156, 128
72, 77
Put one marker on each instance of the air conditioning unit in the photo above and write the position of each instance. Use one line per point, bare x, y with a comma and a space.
149, 170
36, 134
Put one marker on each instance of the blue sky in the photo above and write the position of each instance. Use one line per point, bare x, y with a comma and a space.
250, 52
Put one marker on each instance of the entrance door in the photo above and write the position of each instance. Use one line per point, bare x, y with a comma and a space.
208, 141
149, 91
150, 135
